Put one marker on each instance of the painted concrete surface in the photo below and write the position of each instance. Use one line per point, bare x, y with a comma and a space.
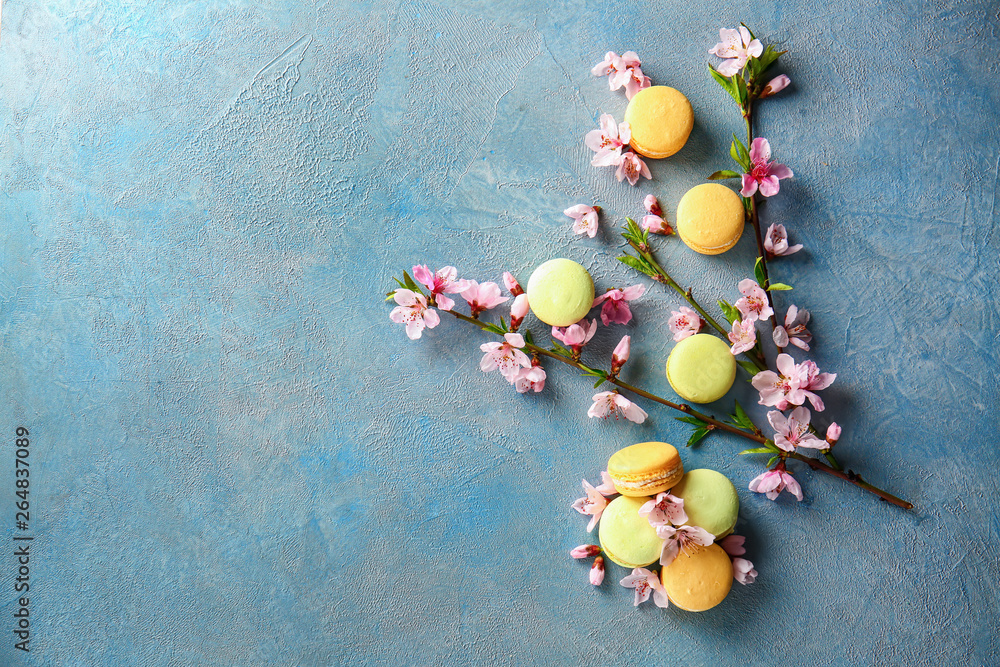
237, 459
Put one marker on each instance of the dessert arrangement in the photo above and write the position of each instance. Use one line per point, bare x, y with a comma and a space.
649, 510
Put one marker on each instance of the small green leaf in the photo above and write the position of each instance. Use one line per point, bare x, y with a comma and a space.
728, 311
726, 82
748, 367
758, 272
409, 284
740, 153
391, 296
560, 350
741, 417
527, 337
724, 173
779, 286
772, 461
698, 434
398, 282
756, 450
638, 264
764, 62
492, 328
599, 382
691, 420
741, 88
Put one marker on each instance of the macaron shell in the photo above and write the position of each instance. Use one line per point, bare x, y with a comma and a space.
660, 119
699, 578
701, 368
627, 538
645, 469
710, 218
710, 501
560, 292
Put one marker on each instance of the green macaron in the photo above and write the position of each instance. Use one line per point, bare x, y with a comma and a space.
560, 292
700, 368
710, 500
627, 538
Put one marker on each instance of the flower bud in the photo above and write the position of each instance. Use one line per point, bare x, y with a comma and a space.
833, 434
597, 571
774, 85
510, 282
518, 310
652, 205
585, 551
620, 355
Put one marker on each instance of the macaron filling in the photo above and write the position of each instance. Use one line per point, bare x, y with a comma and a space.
638, 482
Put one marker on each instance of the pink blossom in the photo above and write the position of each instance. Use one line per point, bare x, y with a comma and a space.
611, 403
733, 545
593, 505
607, 486
576, 335
654, 222
645, 582
780, 389
615, 302
584, 219
743, 336
812, 380
753, 304
506, 356
518, 311
414, 312
608, 142
763, 173
664, 509
833, 433
775, 85
794, 331
439, 283
620, 355
483, 297
510, 282
623, 70
793, 431
684, 323
774, 482
530, 379
585, 551
597, 571
743, 571
737, 46
632, 167
611, 63
680, 537
776, 242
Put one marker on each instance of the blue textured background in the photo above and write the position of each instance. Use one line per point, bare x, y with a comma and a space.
239, 460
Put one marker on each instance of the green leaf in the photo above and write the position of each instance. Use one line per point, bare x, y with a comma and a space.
758, 272
740, 153
726, 82
741, 417
398, 282
724, 173
527, 337
772, 461
560, 350
756, 450
741, 88
691, 420
409, 284
492, 328
600, 382
728, 311
779, 286
766, 60
638, 264
698, 434
748, 367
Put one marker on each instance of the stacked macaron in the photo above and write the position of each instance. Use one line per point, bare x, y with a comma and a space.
680, 529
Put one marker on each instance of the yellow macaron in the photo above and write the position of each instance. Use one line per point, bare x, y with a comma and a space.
698, 578
645, 469
710, 218
660, 119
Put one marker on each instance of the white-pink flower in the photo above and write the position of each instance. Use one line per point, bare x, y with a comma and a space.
743, 571
612, 404
623, 70
737, 46
684, 323
676, 538
753, 304
794, 331
776, 242
620, 354
775, 85
597, 571
664, 509
607, 485
592, 505
654, 222
812, 380
764, 174
743, 336
483, 297
506, 356
584, 219
645, 582
611, 63
733, 544
782, 388
510, 282
615, 308
608, 141
774, 482
632, 167
530, 379
576, 335
439, 283
414, 312
793, 431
